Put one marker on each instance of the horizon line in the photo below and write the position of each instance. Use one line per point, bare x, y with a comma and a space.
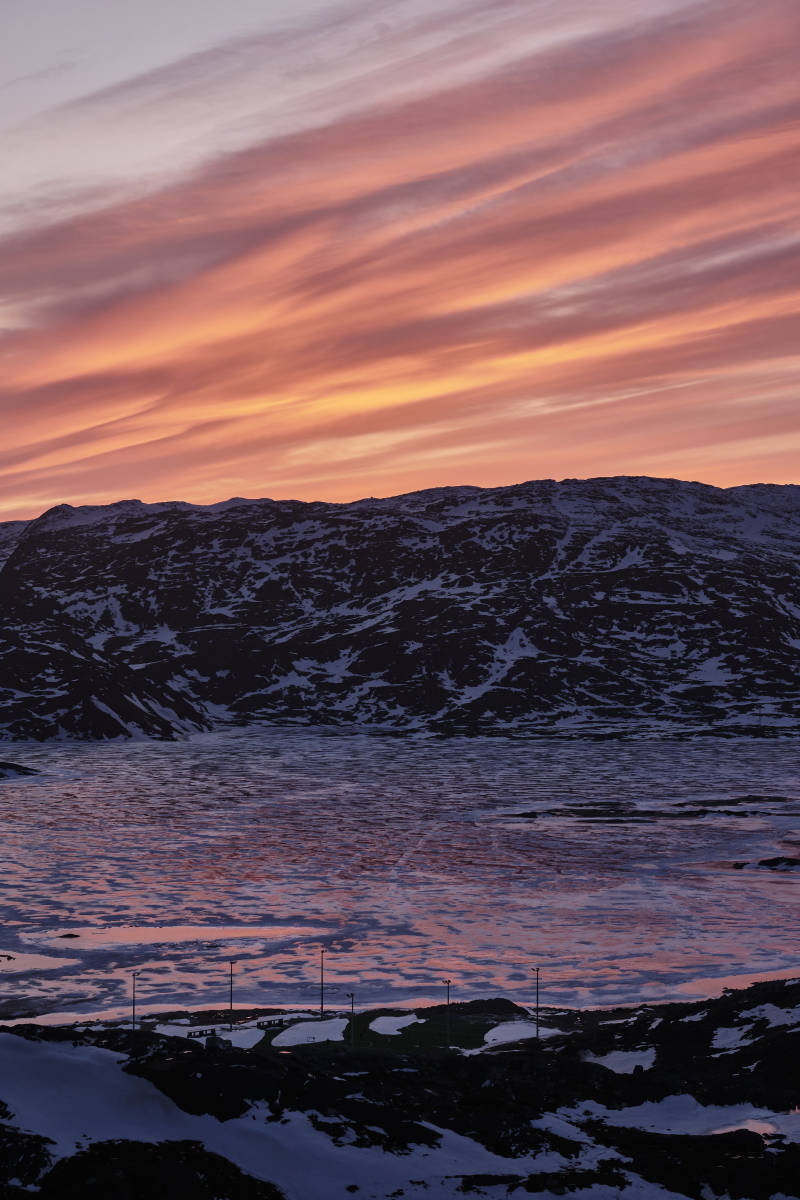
65, 504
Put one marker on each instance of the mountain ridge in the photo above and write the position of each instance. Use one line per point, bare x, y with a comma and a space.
608, 607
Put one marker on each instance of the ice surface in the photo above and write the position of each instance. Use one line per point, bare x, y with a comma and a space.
407, 859
163, 935
18, 962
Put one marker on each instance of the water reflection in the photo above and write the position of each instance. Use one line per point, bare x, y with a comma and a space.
166, 935
610, 865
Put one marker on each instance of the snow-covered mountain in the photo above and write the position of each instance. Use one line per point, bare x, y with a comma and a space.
601, 606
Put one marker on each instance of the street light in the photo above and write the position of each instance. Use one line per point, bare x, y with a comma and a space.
536, 971
231, 961
322, 983
134, 976
447, 983
351, 997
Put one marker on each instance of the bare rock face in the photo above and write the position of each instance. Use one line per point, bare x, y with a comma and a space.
604, 607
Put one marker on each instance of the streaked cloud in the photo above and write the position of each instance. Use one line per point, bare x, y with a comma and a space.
477, 243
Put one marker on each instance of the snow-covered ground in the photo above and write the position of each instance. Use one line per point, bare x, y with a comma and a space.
517, 1031
246, 1034
773, 1015
77, 1095
306, 1032
731, 1037
322, 1122
684, 1114
392, 1026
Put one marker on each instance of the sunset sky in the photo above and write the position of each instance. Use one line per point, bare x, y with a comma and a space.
328, 250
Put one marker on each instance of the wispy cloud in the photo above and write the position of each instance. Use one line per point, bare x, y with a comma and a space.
546, 247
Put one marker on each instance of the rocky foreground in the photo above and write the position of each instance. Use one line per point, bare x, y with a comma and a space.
694, 1100
607, 606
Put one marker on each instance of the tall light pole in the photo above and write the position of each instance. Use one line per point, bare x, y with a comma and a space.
536, 972
134, 976
322, 983
231, 961
447, 983
351, 997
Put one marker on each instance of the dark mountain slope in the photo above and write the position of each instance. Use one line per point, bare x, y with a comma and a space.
606, 605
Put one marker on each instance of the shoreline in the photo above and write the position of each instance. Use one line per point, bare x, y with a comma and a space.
119, 1014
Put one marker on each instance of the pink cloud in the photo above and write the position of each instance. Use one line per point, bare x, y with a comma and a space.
591, 237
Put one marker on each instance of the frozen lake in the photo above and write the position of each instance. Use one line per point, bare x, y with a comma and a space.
611, 866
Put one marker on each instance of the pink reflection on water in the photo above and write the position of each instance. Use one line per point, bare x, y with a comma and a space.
19, 962
410, 861
716, 986
167, 935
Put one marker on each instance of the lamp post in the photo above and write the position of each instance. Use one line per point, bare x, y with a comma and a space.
536, 972
231, 961
351, 997
134, 976
322, 983
447, 983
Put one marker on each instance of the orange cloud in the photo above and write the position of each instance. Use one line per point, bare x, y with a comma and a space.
566, 265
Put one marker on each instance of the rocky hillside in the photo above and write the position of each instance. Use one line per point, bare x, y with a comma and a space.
605, 606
